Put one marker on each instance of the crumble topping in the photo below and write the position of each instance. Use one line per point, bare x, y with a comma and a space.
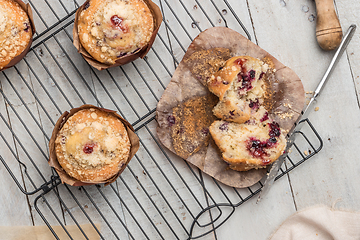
116, 28
92, 143
15, 31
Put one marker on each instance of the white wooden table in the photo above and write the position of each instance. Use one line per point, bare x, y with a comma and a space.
286, 29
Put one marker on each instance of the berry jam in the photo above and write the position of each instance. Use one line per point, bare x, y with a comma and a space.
265, 117
246, 80
224, 126
252, 74
257, 148
171, 120
274, 129
240, 61
117, 22
261, 75
89, 148
205, 131
26, 27
254, 104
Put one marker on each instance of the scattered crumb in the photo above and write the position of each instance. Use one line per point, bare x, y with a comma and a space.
316, 109
329, 116
306, 153
329, 139
310, 92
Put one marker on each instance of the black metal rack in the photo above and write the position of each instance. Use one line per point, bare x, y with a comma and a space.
158, 196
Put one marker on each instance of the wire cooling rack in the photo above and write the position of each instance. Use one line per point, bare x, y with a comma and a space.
158, 196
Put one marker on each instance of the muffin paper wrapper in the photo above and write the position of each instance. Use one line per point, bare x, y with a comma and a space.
287, 99
157, 16
18, 58
53, 162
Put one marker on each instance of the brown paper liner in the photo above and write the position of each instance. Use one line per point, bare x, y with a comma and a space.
53, 162
286, 100
18, 58
157, 16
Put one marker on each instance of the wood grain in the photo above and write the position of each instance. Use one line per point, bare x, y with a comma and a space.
283, 28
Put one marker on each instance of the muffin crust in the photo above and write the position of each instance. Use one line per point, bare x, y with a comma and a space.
15, 31
112, 29
92, 146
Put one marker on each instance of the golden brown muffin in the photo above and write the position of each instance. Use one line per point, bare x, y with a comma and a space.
92, 145
248, 145
111, 29
15, 31
240, 88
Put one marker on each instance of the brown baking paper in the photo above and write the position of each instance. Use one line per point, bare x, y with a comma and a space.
180, 111
18, 58
157, 16
53, 162
44, 233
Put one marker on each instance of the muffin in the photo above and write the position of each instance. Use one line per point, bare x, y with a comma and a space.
240, 88
93, 145
113, 29
15, 32
248, 145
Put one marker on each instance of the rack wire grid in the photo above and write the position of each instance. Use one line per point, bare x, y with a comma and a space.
158, 196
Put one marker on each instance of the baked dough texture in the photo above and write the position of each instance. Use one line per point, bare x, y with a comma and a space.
247, 137
111, 29
240, 87
248, 145
92, 145
15, 31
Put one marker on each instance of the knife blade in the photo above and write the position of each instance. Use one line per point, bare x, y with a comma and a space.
305, 112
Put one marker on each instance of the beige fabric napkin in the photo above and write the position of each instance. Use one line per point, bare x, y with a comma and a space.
320, 223
43, 232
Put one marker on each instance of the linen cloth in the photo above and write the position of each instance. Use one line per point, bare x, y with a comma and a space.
320, 223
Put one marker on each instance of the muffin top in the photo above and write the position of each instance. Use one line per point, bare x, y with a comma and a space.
112, 29
92, 146
15, 31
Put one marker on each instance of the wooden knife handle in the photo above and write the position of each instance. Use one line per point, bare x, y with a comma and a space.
328, 29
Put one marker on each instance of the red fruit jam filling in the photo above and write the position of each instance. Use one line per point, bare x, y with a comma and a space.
171, 120
205, 131
240, 61
257, 148
89, 148
224, 126
274, 129
265, 117
261, 75
118, 23
254, 104
246, 80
